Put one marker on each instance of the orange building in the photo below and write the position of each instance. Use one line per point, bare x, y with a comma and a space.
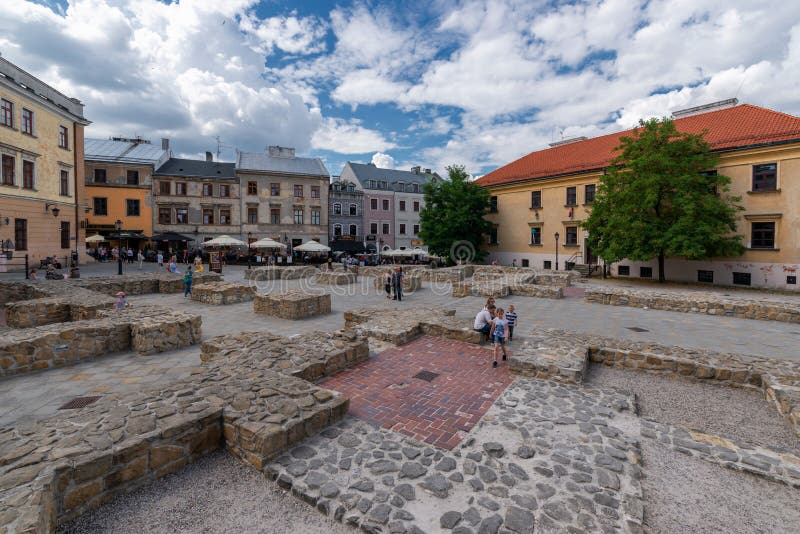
119, 180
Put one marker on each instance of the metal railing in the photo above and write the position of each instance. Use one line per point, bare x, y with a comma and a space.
9, 263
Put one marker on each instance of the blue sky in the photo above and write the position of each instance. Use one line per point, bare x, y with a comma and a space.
473, 82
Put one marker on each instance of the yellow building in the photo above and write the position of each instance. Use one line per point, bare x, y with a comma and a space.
41, 185
119, 181
550, 192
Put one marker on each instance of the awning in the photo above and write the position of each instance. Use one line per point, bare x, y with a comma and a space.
171, 236
356, 247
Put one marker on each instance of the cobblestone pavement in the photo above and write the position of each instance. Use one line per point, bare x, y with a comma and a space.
385, 391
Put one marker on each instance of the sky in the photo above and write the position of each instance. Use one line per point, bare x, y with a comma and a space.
477, 83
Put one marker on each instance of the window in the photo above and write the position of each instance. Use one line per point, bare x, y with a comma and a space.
373, 203
9, 165
298, 191
63, 137
132, 207
314, 216
65, 234
337, 209
536, 235
208, 216
224, 190
252, 188
337, 230
741, 279
7, 114
645, 272
225, 216
588, 193
353, 229
275, 190
298, 215
63, 182
493, 204
314, 191
526, 263
402, 205
252, 215
27, 121
536, 199
353, 209
705, 276
572, 196
164, 215
765, 177
181, 215
402, 229
385, 204
762, 235
415, 188
180, 189
100, 206
373, 228
416, 229
275, 215
493, 236
21, 234
165, 188
100, 176
547, 264
385, 229
416, 206
572, 235
624, 270
208, 190
27, 174
791, 279
133, 177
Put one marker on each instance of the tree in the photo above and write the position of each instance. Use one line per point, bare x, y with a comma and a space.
452, 221
658, 200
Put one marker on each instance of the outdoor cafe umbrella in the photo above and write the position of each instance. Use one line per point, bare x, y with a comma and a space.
312, 246
223, 241
266, 242
95, 239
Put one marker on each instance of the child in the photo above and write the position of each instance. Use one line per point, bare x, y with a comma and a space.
387, 284
499, 334
511, 317
121, 301
187, 279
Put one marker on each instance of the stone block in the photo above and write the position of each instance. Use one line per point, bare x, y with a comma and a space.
295, 304
222, 293
337, 278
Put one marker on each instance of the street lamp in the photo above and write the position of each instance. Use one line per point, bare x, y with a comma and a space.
249, 240
556, 251
118, 226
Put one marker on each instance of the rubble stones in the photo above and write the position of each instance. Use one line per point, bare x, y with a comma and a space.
401, 326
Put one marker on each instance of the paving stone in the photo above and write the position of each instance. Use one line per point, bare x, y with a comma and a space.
363, 485
518, 520
446, 464
472, 516
490, 525
449, 520
406, 491
437, 485
525, 501
487, 474
525, 452
380, 513
488, 503
315, 479
412, 470
494, 449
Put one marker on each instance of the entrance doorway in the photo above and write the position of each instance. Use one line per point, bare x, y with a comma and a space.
589, 258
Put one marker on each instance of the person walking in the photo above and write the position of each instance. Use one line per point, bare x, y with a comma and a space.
160, 259
397, 284
387, 284
140, 257
499, 334
187, 280
130, 255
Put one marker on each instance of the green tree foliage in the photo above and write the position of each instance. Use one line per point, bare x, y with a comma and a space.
454, 214
657, 200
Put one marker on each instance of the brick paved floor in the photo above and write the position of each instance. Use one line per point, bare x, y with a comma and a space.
383, 390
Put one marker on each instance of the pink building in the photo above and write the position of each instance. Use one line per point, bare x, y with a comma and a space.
379, 219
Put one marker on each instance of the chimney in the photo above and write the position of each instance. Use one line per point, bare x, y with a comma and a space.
415, 169
164, 143
209, 156
427, 171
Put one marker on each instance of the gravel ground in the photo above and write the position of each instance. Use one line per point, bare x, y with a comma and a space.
738, 414
216, 494
684, 494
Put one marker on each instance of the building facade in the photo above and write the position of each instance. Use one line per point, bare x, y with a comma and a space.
551, 191
284, 197
346, 217
196, 199
392, 203
119, 184
41, 180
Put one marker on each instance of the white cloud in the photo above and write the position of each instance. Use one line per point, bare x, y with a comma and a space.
349, 137
296, 35
383, 161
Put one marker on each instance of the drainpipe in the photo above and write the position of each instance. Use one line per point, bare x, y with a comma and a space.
75, 177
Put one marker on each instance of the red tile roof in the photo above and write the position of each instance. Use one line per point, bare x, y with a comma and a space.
734, 127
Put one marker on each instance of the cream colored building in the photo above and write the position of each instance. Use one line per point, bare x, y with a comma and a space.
41, 186
551, 191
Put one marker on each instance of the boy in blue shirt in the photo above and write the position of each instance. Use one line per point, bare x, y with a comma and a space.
499, 334
511, 317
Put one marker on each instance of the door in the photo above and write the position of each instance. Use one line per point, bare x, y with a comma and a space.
589, 258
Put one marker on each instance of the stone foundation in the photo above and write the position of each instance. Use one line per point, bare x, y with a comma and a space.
542, 292
337, 278
557, 278
401, 326
411, 282
280, 273
759, 308
480, 289
222, 293
297, 304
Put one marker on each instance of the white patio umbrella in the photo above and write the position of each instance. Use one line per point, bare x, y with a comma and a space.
223, 241
95, 239
266, 242
312, 246
403, 252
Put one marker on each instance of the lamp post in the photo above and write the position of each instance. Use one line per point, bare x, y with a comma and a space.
118, 226
557, 251
249, 240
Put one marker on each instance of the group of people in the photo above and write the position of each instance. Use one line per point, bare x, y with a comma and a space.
497, 325
393, 283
